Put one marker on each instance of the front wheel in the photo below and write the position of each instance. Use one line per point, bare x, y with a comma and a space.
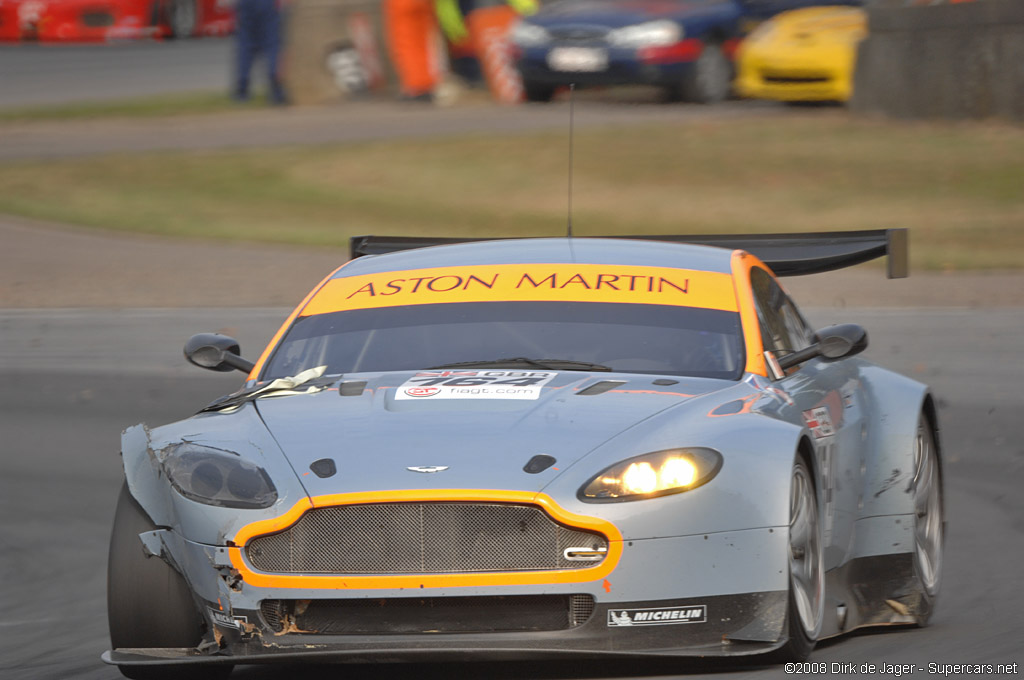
536, 92
806, 606
709, 78
929, 522
148, 603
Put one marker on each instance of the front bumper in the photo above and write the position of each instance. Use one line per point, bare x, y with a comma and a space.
623, 67
703, 595
730, 625
800, 76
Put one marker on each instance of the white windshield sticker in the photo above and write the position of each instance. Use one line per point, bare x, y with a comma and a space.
475, 385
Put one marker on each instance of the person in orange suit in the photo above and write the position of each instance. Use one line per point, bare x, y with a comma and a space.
411, 27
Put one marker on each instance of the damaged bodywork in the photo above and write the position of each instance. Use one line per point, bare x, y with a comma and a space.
398, 479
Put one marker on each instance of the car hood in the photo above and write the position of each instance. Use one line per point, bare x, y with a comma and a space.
374, 437
616, 13
823, 24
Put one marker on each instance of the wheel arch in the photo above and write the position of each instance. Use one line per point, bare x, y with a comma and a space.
714, 35
141, 476
805, 450
896, 404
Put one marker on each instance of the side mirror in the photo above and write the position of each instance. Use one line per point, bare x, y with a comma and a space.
844, 340
216, 352
834, 342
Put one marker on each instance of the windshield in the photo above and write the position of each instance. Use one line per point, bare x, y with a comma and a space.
628, 338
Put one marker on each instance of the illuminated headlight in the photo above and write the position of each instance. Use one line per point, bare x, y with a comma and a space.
654, 474
217, 478
528, 35
650, 34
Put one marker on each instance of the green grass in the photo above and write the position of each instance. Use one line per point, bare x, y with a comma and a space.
957, 187
136, 107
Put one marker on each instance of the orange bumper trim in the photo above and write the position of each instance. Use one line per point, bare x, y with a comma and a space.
346, 582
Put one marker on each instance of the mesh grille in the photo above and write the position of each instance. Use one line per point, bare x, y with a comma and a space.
422, 538
789, 78
430, 615
273, 612
581, 608
578, 33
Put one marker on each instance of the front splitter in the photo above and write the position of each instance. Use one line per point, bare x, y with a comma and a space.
720, 626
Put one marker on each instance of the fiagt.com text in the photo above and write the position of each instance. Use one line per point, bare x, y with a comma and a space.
900, 669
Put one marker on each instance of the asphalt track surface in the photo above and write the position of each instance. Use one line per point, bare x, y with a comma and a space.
57, 74
71, 380
42, 74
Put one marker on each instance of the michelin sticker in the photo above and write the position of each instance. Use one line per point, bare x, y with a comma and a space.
222, 619
429, 385
620, 618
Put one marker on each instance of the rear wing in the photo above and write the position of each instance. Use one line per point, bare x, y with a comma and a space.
786, 254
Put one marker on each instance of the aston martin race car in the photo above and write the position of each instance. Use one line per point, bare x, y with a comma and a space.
535, 448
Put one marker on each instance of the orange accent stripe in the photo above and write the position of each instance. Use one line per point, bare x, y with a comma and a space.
742, 263
670, 394
545, 502
748, 405
258, 366
527, 282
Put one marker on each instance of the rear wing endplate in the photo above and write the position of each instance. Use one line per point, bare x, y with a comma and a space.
786, 254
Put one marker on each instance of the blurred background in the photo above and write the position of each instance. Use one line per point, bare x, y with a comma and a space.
177, 166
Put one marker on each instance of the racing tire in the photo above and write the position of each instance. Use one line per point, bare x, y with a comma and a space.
148, 602
182, 18
929, 520
538, 93
709, 80
806, 602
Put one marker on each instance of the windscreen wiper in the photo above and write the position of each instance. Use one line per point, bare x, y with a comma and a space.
519, 362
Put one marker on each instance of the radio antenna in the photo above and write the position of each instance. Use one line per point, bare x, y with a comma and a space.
572, 91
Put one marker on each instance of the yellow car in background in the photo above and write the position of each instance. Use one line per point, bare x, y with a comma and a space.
804, 55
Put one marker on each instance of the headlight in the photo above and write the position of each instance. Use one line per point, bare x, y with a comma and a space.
528, 35
654, 474
216, 478
650, 34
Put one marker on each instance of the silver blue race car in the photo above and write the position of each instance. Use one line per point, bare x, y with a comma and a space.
535, 448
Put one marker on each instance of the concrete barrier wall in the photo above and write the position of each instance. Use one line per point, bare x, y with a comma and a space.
945, 61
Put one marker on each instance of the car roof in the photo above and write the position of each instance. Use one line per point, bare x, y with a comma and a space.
548, 250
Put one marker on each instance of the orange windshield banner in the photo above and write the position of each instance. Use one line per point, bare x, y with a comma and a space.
527, 283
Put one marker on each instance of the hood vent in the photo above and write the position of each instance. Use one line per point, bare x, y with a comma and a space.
352, 388
600, 387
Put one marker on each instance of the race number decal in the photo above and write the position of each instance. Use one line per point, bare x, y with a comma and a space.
428, 385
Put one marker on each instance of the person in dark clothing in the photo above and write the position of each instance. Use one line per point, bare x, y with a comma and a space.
258, 29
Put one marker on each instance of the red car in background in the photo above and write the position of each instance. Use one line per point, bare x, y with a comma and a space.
102, 20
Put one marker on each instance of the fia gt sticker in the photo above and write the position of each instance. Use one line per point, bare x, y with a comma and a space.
665, 616
819, 422
474, 385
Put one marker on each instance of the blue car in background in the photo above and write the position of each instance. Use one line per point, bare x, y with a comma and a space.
682, 46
